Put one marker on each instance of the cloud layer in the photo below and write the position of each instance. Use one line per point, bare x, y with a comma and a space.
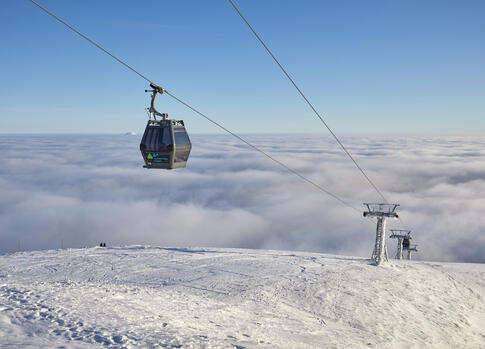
77, 190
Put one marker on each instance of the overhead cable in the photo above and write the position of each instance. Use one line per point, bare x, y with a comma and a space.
309, 104
296, 173
91, 41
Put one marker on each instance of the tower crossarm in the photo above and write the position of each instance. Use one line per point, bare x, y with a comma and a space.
397, 236
381, 214
381, 210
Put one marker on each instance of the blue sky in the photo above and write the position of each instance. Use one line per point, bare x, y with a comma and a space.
374, 66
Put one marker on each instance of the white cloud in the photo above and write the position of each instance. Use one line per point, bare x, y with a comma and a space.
87, 189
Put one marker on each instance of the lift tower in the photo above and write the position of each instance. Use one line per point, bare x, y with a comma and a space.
381, 212
412, 248
400, 235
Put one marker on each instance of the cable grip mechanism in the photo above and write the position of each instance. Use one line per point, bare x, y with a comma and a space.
153, 112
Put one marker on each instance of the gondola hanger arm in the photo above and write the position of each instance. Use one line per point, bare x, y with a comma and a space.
153, 110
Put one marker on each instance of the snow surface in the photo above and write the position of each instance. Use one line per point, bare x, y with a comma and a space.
153, 297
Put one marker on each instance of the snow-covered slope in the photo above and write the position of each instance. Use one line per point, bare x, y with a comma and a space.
193, 298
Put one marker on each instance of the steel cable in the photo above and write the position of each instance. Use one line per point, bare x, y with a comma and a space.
296, 173
309, 103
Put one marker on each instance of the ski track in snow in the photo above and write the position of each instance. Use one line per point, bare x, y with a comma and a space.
153, 297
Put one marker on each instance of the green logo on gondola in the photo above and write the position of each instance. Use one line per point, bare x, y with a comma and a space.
150, 156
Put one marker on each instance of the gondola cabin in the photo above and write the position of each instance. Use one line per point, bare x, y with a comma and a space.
165, 143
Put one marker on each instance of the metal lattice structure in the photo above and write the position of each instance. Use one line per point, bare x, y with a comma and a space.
382, 212
403, 242
400, 235
410, 249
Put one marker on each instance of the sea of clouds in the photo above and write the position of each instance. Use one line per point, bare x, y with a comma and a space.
79, 190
